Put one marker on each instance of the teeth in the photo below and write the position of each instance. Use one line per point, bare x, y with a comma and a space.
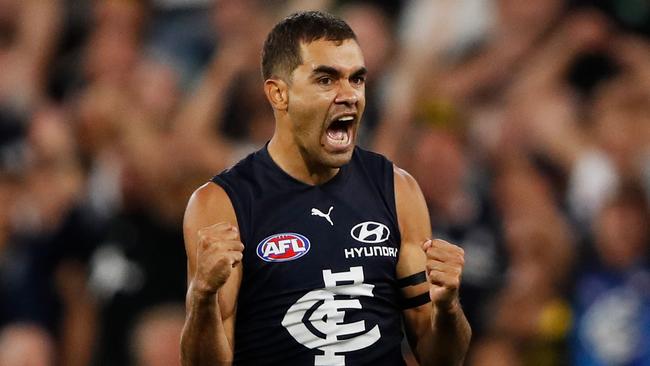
342, 140
346, 118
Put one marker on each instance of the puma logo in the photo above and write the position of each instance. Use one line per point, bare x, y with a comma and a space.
317, 212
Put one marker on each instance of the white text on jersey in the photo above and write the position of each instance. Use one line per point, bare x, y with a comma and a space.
370, 251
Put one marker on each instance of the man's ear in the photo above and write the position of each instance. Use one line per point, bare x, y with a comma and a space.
277, 92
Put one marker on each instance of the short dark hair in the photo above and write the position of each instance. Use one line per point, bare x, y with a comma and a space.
281, 52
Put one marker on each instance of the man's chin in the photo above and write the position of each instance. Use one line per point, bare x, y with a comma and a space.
338, 159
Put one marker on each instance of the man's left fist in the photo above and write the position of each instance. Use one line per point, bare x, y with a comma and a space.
444, 270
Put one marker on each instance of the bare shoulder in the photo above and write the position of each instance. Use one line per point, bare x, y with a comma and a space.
209, 204
412, 212
405, 184
209, 196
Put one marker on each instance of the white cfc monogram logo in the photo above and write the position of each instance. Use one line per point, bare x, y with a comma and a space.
316, 319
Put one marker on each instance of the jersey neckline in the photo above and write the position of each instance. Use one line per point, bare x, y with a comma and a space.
339, 176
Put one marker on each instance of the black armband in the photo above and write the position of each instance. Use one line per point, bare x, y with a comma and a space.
412, 280
415, 301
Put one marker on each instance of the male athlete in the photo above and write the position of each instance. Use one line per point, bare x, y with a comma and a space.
312, 251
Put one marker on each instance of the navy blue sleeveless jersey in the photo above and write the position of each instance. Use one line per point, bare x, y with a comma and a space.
319, 285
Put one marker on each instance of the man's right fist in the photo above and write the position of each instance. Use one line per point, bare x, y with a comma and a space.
219, 249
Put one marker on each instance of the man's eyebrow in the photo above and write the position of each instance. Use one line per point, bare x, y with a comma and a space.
324, 69
329, 70
361, 72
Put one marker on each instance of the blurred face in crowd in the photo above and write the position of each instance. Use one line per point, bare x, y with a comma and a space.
25, 345
621, 234
621, 118
439, 165
494, 351
156, 337
156, 90
326, 98
531, 13
373, 34
115, 40
519, 191
229, 15
55, 177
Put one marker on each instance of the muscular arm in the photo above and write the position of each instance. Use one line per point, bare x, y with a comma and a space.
207, 337
437, 330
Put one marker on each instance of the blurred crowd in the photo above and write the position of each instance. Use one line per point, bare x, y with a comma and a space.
526, 123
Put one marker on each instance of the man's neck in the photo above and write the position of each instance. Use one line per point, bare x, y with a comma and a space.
289, 157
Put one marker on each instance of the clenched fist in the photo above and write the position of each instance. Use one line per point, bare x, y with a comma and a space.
219, 249
444, 269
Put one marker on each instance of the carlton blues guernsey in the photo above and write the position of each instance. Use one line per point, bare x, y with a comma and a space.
319, 285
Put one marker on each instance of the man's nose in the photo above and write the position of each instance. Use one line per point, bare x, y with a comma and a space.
348, 94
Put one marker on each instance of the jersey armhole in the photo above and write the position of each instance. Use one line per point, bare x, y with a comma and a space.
237, 205
392, 199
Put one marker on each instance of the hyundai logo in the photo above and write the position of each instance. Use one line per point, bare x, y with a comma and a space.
370, 232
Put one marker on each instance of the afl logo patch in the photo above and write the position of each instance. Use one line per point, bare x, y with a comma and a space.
370, 232
283, 247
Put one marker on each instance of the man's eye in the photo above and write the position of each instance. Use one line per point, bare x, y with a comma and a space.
358, 80
325, 81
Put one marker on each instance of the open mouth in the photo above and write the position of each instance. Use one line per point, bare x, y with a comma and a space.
339, 133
